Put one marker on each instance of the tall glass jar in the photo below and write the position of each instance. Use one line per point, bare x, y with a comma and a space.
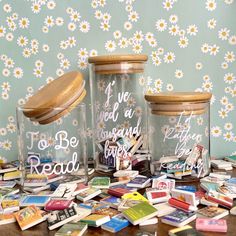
119, 112
179, 138
57, 148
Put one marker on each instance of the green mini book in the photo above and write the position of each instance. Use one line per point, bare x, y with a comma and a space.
100, 182
72, 229
140, 212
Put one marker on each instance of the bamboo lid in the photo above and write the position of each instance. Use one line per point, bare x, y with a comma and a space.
113, 59
54, 94
177, 97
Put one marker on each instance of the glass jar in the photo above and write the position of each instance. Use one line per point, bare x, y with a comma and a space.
179, 138
55, 149
119, 112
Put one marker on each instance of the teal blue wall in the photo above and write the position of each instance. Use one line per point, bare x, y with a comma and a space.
46, 53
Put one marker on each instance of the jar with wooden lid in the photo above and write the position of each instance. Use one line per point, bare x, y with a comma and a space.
52, 134
179, 137
119, 112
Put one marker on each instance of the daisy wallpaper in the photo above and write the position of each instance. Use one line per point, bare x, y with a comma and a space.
191, 46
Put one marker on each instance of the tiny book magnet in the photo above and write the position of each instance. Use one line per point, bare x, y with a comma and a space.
64, 191
187, 188
231, 182
211, 225
117, 223
7, 218
107, 212
8, 191
81, 213
88, 194
139, 182
35, 182
39, 201
186, 230
72, 229
139, 213
7, 167
94, 205
112, 201
127, 203
100, 182
28, 217
157, 196
178, 218
7, 184
58, 204
219, 198
125, 173
151, 221
134, 196
96, 220
59, 218
212, 212
164, 209
12, 175
184, 196
163, 184
80, 188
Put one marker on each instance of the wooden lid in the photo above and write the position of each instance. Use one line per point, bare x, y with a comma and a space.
113, 59
54, 94
65, 111
177, 97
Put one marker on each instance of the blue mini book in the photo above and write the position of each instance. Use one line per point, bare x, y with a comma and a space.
116, 224
231, 182
39, 201
187, 188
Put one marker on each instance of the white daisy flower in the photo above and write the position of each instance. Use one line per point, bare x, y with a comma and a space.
98, 14
229, 107
167, 4
6, 72
232, 40
93, 53
192, 30
149, 36
71, 42
5, 96
51, 5
183, 42
137, 48
158, 83
223, 34
106, 17
7, 8
156, 61
216, 131
69, 10
82, 64
21, 101
128, 7
161, 25
117, 34
75, 16
39, 64
138, 36
3, 131
152, 43
198, 65
206, 77
179, 74
174, 30
11, 128
45, 29
60, 56
228, 136
65, 64
24, 23
224, 100
211, 24
205, 48
36, 8
123, 42
2, 31
173, 19
84, 26
207, 86
169, 57
9, 63
59, 21
110, 46
229, 78
229, 56
7, 145
133, 16
49, 21
18, 72
45, 48
9, 37
224, 65
71, 26
59, 72
223, 113
38, 72
160, 51
83, 53
127, 26
6, 86
64, 44
181, 33
228, 1
169, 87
210, 5
105, 26
200, 120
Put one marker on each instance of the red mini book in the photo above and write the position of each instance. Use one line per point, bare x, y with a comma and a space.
53, 205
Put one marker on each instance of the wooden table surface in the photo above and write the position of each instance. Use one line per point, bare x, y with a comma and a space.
160, 229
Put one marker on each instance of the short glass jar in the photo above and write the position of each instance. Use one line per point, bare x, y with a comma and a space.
179, 138
56, 148
119, 112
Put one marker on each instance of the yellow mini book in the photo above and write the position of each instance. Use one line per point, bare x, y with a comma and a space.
12, 175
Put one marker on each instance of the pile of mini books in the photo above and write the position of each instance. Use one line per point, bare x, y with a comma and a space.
70, 206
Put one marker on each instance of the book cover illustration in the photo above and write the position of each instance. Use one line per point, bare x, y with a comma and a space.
34, 200
100, 182
212, 211
72, 229
178, 216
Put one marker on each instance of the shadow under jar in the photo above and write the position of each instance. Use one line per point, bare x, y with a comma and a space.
119, 112
179, 134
